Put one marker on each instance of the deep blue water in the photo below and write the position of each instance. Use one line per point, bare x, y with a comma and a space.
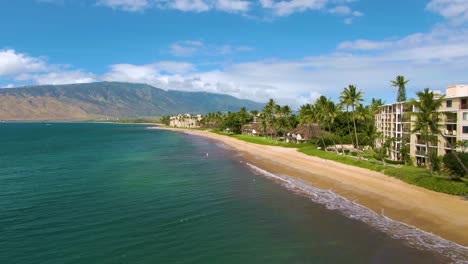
110, 193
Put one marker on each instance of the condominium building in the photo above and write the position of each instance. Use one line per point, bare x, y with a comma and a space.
395, 121
185, 121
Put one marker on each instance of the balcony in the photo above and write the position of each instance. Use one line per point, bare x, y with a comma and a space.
451, 120
420, 142
463, 106
450, 133
420, 152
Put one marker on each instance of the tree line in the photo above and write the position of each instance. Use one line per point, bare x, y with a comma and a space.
348, 121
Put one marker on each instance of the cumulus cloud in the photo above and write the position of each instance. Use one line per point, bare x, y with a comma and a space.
10, 85
440, 43
59, 77
433, 59
454, 10
12, 62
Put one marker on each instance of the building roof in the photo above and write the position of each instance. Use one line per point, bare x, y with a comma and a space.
307, 131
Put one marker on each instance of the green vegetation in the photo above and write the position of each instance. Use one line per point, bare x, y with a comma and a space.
453, 166
259, 140
274, 121
413, 175
400, 82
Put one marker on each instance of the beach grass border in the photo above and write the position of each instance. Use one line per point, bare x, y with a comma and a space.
413, 175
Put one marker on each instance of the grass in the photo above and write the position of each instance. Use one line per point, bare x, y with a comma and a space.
417, 176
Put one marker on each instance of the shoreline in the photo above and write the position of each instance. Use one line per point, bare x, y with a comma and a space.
441, 214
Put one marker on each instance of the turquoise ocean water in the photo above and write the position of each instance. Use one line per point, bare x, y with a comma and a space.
109, 193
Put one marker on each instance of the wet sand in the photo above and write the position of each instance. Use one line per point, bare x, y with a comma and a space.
438, 213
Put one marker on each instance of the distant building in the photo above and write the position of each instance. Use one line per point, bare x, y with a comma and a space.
303, 133
185, 121
255, 129
394, 121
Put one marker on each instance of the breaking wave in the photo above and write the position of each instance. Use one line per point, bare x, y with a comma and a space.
411, 235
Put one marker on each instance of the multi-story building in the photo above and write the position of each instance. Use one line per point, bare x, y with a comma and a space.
185, 121
395, 121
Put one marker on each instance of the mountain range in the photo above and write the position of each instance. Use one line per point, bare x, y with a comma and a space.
109, 100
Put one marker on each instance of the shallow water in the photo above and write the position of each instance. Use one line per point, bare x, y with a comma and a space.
108, 193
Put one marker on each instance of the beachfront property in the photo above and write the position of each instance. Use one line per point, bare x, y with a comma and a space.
395, 121
303, 133
254, 128
185, 121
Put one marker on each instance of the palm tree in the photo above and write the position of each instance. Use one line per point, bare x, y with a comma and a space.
352, 97
427, 122
269, 112
375, 104
400, 82
307, 114
371, 134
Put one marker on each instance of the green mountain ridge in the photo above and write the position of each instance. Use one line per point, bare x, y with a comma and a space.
109, 99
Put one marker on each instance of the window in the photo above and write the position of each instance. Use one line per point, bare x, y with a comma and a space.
465, 116
448, 103
465, 129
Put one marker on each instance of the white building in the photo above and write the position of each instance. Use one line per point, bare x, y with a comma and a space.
185, 121
394, 121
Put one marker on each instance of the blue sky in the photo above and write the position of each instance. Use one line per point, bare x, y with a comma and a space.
290, 50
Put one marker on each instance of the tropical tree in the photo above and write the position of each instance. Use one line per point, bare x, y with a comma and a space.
269, 114
375, 104
370, 134
352, 97
307, 114
427, 124
427, 119
400, 82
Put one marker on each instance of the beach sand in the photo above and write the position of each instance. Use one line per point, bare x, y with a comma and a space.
438, 213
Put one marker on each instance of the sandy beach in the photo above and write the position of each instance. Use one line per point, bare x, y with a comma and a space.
441, 214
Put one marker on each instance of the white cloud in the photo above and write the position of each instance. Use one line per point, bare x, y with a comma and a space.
434, 59
186, 48
357, 13
190, 5
284, 7
440, 43
343, 10
60, 77
454, 10
190, 48
232, 5
363, 44
12, 62
8, 86
126, 5
340, 10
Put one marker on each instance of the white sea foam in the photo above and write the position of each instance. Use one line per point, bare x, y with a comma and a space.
412, 236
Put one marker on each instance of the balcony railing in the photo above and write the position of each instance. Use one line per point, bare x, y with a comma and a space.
450, 132
421, 152
451, 120
420, 142
463, 106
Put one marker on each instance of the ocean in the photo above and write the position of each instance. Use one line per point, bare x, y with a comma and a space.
113, 193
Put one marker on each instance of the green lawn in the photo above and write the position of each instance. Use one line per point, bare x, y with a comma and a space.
417, 176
